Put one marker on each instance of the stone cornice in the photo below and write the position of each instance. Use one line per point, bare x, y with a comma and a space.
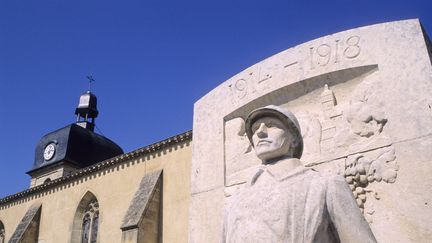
186, 136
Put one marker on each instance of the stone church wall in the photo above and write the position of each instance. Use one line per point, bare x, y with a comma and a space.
114, 187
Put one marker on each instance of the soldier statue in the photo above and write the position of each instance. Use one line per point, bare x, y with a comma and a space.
284, 201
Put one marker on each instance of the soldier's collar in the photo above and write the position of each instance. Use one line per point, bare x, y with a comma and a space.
281, 170
285, 168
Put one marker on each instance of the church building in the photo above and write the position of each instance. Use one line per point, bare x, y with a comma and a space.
85, 189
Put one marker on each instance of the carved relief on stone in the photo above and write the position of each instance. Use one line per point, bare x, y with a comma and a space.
311, 133
365, 168
331, 118
238, 155
361, 139
354, 127
366, 124
339, 123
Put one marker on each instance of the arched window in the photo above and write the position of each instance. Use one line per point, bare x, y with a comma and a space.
86, 220
90, 223
2, 233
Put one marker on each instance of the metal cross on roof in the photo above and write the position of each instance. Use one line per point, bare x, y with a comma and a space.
91, 80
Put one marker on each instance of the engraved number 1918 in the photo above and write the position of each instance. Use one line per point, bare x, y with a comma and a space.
325, 53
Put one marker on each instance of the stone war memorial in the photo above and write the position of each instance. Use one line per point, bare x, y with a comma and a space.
328, 141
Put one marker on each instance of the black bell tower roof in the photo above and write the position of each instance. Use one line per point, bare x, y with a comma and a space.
75, 145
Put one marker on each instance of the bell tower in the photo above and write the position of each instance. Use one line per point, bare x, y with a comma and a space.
68, 149
87, 111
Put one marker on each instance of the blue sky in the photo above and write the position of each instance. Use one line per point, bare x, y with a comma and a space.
151, 60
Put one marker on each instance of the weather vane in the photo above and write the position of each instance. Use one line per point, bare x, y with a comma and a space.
91, 80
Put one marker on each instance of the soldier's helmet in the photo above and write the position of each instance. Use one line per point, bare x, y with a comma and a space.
285, 116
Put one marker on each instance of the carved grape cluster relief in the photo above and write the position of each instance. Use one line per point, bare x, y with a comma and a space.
361, 170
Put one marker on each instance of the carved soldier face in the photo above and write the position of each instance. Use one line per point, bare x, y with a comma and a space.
271, 139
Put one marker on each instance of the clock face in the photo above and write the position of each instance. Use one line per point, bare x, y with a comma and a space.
49, 151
